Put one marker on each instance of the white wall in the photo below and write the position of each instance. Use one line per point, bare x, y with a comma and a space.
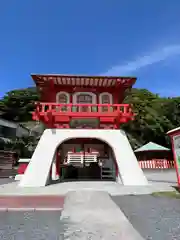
37, 172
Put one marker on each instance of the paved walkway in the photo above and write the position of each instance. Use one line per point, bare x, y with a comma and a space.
93, 215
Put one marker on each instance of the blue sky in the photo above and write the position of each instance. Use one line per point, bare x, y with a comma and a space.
112, 37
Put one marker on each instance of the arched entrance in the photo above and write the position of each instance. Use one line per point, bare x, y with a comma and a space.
84, 159
38, 171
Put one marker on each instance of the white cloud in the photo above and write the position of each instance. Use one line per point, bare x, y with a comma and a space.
146, 60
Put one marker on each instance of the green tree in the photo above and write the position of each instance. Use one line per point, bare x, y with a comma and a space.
17, 105
152, 119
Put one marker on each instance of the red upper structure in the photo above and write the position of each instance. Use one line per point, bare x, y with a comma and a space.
82, 101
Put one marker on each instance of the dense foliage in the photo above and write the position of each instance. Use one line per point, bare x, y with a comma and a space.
154, 115
17, 105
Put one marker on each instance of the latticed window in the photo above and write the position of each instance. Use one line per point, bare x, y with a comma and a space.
84, 98
62, 98
105, 99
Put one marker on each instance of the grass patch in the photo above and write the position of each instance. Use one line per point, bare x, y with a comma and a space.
170, 194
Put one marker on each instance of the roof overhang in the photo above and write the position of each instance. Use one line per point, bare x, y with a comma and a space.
5, 140
41, 80
6, 123
152, 147
174, 131
152, 150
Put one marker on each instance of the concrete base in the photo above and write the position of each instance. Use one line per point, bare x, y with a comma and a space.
38, 170
18, 177
61, 189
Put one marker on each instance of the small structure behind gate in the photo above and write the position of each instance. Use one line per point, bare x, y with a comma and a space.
7, 161
154, 156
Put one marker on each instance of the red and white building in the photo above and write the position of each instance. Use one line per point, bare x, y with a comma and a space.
83, 137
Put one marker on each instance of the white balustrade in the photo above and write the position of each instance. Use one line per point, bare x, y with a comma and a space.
80, 158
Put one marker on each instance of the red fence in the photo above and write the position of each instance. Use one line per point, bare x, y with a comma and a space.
157, 164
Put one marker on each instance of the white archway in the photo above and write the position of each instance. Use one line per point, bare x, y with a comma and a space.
37, 174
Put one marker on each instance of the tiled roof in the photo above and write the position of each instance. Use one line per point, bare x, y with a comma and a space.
88, 81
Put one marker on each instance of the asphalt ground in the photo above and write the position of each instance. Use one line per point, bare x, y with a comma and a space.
38, 225
156, 218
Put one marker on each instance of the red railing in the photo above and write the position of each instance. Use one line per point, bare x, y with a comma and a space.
93, 109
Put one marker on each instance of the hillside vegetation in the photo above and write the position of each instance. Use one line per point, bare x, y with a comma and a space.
154, 115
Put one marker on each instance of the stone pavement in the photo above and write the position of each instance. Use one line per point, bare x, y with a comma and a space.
93, 215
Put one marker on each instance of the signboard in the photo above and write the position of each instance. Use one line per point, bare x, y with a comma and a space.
84, 123
176, 143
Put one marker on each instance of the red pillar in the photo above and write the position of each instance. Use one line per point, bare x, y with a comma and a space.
57, 163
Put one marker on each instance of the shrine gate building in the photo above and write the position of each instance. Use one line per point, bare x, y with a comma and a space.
83, 139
